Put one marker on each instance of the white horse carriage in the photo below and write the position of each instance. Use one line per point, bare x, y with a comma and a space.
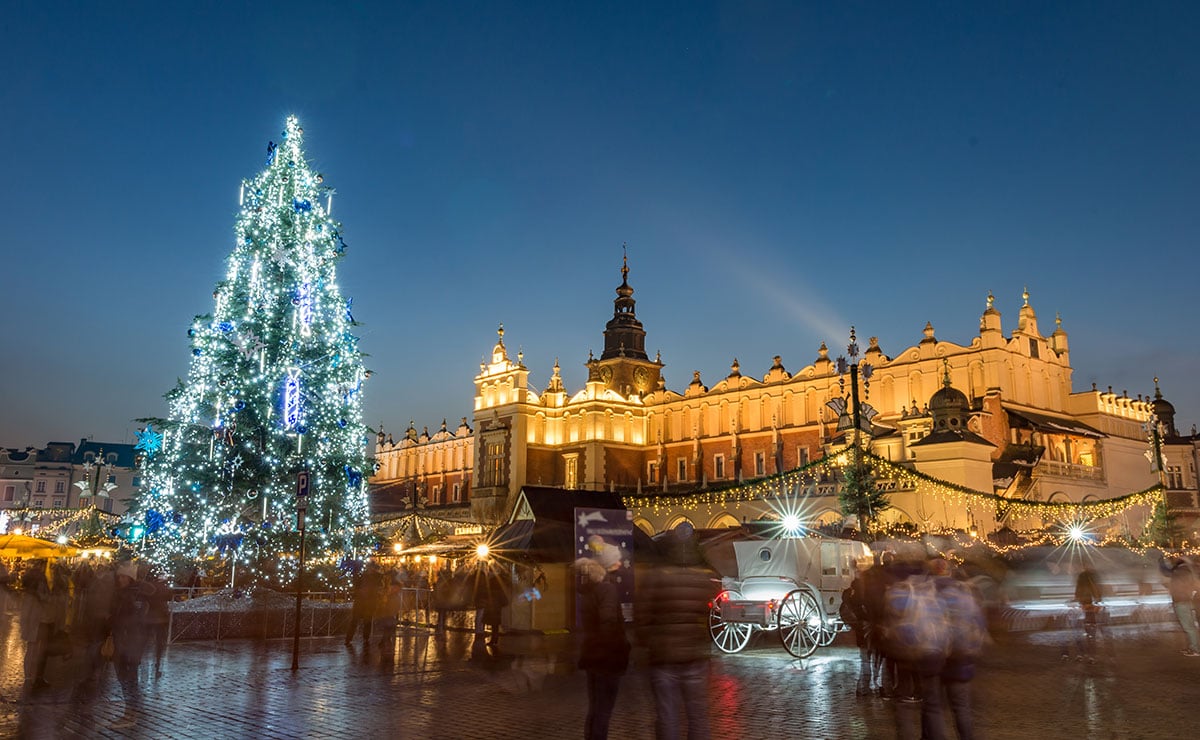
792, 586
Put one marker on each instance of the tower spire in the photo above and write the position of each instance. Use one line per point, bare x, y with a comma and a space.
624, 335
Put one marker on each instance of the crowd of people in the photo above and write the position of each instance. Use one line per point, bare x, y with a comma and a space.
93, 610
381, 594
919, 628
917, 622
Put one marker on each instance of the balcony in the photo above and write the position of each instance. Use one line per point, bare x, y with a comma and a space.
1055, 469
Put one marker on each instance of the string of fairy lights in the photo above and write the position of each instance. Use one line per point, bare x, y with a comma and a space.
51, 521
804, 482
274, 388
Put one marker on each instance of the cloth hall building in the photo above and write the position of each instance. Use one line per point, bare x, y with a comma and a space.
995, 415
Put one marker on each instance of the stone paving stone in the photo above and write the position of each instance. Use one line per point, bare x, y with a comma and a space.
1141, 688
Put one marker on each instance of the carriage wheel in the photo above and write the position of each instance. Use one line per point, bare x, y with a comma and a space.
829, 633
800, 623
729, 637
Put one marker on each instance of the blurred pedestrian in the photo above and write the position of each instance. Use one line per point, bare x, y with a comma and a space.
130, 610
442, 596
853, 613
491, 596
604, 653
1183, 589
948, 677
368, 594
391, 602
914, 638
159, 618
94, 590
671, 618
39, 617
1088, 595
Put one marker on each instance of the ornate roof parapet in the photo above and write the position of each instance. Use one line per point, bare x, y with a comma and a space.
989, 322
823, 365
1026, 318
777, 373
1058, 340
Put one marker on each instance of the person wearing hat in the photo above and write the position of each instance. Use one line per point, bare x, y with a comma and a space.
604, 651
130, 633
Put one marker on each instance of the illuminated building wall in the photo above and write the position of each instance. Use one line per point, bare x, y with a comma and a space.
626, 431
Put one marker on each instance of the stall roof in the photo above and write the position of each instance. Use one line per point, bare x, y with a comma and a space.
542, 524
24, 546
559, 504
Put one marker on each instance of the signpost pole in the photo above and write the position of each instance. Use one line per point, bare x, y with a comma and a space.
301, 507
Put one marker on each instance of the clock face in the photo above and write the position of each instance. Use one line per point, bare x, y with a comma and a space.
606, 374
642, 377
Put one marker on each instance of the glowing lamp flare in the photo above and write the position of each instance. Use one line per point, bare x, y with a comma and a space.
482, 551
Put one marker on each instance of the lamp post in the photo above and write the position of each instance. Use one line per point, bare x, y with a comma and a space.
854, 417
302, 489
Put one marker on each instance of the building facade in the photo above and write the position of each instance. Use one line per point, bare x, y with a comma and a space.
1021, 431
46, 485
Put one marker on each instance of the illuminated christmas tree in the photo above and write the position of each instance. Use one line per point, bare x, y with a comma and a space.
274, 388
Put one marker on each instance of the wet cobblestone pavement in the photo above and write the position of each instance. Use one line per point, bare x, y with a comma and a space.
1141, 687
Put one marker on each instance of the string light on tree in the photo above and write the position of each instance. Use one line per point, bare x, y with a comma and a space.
267, 394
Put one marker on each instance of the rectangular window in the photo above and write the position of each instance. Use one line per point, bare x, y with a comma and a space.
760, 464
59, 486
718, 466
112, 478
108, 505
1174, 477
802, 456
39, 502
137, 481
10, 493
1033, 348
652, 472
492, 472
456, 492
58, 502
40, 487
571, 481
681, 468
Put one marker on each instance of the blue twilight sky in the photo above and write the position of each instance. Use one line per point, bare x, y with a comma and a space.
780, 171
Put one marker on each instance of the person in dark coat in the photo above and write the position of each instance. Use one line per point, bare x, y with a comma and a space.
368, 600
94, 589
130, 633
671, 618
853, 612
159, 618
491, 596
604, 653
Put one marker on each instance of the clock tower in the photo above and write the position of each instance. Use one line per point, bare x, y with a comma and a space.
624, 367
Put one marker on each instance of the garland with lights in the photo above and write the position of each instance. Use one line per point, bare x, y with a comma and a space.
60, 517
274, 388
803, 481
